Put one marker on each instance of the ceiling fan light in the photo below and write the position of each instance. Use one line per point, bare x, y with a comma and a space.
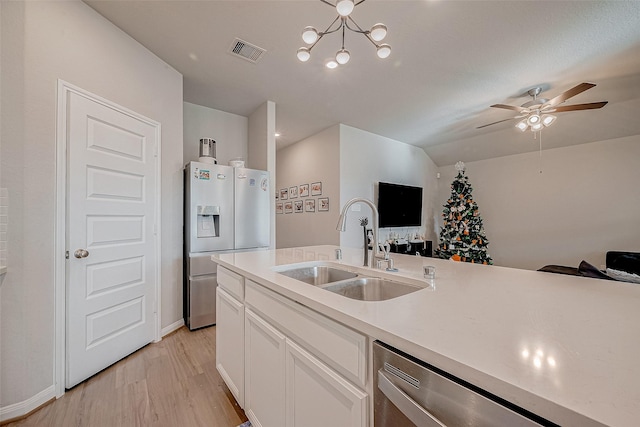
345, 7
331, 64
378, 32
548, 119
536, 127
522, 125
343, 56
533, 119
303, 54
384, 50
309, 35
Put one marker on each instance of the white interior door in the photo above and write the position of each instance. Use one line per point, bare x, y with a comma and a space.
111, 220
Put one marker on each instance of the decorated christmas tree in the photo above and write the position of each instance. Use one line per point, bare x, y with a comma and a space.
462, 236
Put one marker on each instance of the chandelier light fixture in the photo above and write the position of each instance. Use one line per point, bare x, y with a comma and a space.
343, 22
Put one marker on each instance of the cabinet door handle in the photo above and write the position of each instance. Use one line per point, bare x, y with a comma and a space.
409, 407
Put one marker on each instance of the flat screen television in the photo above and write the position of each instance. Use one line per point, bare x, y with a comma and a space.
399, 205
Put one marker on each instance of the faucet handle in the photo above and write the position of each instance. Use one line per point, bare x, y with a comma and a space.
385, 248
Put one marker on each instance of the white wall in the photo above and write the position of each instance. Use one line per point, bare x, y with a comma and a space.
585, 202
366, 159
349, 162
42, 42
315, 159
262, 139
230, 131
261, 152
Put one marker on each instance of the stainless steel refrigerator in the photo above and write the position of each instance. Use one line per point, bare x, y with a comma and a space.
226, 209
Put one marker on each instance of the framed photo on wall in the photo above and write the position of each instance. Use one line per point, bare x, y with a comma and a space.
288, 207
316, 188
297, 206
310, 205
279, 208
323, 204
284, 194
293, 192
304, 190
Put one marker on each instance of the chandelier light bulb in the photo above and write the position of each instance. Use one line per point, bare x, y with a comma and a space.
331, 64
343, 56
384, 50
548, 119
345, 7
522, 125
536, 127
304, 54
309, 35
378, 32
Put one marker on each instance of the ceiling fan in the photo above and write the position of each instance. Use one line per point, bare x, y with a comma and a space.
535, 114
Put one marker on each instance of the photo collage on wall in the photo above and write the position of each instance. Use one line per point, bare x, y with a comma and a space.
296, 199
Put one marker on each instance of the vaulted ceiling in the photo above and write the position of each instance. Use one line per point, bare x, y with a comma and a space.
450, 61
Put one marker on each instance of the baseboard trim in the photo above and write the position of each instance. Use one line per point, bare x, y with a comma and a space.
172, 327
22, 409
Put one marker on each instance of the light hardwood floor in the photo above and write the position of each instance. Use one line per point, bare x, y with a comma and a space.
171, 383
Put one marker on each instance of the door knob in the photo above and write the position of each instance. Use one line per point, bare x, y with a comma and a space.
81, 253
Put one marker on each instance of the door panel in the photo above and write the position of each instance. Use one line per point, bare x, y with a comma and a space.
230, 343
316, 396
112, 276
111, 209
264, 353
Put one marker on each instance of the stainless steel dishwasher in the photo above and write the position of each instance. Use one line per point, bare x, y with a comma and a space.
411, 392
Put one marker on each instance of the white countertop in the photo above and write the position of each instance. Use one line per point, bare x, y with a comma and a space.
566, 348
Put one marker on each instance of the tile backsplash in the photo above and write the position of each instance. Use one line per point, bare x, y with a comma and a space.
4, 224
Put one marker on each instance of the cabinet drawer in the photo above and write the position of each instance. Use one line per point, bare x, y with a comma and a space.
336, 345
231, 282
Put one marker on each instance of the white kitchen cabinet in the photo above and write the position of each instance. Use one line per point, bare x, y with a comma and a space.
230, 343
316, 396
342, 348
264, 372
285, 364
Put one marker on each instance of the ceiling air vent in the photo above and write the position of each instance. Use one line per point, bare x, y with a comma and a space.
246, 50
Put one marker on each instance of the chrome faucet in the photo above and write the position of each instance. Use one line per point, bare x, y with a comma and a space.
342, 226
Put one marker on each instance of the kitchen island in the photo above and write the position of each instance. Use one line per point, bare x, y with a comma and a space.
562, 347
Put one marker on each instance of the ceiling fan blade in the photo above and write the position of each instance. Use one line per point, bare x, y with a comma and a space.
568, 94
591, 106
509, 107
500, 121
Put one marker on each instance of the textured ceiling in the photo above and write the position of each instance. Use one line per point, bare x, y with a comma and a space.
450, 60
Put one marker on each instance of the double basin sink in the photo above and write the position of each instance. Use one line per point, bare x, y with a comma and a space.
349, 284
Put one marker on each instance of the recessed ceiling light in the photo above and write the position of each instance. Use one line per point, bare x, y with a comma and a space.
331, 64
276, 134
